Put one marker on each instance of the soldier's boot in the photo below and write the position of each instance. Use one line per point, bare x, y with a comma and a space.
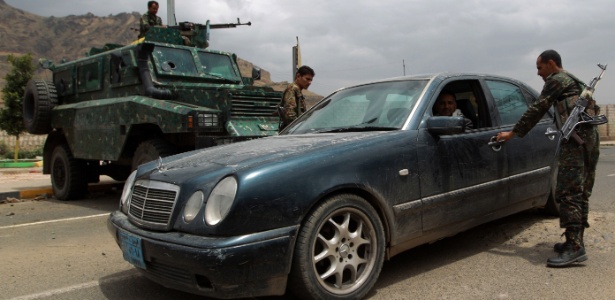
559, 247
573, 250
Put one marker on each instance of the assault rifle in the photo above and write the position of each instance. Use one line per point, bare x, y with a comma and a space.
578, 115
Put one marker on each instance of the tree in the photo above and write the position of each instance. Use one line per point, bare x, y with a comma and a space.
13, 91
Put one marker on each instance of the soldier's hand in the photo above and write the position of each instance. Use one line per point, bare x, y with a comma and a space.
505, 136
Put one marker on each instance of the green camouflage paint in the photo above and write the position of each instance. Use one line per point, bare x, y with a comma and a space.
105, 108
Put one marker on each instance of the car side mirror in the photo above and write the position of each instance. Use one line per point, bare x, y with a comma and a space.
445, 125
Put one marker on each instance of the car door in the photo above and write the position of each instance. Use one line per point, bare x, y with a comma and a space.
531, 159
460, 175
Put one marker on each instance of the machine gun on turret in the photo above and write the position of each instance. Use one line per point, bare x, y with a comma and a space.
187, 33
198, 34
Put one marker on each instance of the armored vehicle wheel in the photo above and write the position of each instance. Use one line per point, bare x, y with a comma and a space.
39, 98
68, 176
151, 150
339, 250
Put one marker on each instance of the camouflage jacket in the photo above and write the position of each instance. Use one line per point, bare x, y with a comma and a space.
562, 90
148, 20
293, 103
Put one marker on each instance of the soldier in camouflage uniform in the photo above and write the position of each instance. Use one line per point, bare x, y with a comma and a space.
293, 102
577, 159
149, 19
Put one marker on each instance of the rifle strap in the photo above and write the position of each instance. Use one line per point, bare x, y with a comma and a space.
558, 116
577, 138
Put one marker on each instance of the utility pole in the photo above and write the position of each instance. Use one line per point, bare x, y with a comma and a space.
171, 13
403, 61
296, 60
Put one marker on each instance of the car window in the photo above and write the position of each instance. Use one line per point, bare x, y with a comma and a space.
384, 105
509, 101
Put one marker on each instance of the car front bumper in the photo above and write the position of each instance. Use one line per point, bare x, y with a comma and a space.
230, 267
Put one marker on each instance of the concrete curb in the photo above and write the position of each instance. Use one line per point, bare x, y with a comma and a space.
48, 191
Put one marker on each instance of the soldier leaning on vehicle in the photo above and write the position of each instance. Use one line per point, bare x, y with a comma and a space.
577, 160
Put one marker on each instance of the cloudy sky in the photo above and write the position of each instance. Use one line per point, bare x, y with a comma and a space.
351, 42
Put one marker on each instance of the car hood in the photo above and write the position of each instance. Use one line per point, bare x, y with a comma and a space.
249, 153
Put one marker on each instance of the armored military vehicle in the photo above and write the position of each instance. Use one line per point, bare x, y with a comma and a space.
122, 106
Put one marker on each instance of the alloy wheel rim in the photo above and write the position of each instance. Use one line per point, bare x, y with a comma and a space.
344, 251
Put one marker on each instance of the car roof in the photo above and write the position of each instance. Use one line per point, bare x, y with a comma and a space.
438, 76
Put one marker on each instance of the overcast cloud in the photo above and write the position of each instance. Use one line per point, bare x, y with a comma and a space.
351, 42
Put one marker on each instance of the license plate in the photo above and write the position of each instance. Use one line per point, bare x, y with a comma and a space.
131, 247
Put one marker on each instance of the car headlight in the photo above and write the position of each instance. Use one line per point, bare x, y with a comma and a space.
220, 200
127, 191
192, 207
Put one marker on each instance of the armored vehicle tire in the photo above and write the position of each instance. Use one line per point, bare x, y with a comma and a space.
151, 150
39, 99
68, 177
339, 250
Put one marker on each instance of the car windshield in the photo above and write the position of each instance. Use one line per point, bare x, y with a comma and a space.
378, 106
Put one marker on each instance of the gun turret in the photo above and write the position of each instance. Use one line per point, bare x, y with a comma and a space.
195, 34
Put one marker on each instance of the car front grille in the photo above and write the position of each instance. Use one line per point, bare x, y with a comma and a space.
253, 105
151, 204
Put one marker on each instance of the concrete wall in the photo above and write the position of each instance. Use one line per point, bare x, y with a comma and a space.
26, 141
31, 142
607, 131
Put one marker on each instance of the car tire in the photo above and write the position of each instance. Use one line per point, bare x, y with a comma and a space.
151, 150
68, 175
40, 98
339, 250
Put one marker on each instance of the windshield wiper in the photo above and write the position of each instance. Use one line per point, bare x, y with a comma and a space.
358, 129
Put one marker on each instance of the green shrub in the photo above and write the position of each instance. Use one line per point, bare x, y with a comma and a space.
4, 149
23, 154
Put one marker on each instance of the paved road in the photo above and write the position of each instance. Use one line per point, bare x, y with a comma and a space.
62, 250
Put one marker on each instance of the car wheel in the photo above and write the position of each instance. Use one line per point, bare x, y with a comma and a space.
151, 150
39, 98
339, 250
68, 177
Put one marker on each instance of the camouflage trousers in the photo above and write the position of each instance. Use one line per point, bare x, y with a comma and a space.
575, 178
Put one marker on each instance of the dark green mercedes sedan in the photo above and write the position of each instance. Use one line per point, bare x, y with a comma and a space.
368, 172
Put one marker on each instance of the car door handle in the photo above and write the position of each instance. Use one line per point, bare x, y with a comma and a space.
550, 133
495, 144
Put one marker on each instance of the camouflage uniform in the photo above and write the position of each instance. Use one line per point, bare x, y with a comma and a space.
293, 103
148, 20
577, 163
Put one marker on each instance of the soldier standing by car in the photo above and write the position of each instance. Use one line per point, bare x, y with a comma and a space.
576, 158
149, 19
293, 102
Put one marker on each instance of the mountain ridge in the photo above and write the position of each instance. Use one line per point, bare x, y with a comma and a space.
70, 37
